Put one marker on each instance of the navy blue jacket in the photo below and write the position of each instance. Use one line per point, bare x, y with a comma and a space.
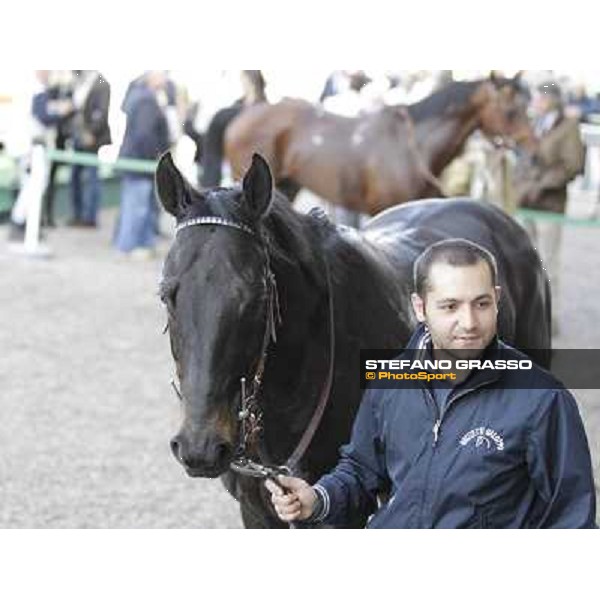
147, 132
40, 109
498, 458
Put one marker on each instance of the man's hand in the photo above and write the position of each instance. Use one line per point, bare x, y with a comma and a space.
296, 503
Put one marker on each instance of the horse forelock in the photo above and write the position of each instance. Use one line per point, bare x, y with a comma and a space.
224, 203
288, 236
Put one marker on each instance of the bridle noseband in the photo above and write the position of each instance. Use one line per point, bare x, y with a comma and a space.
250, 412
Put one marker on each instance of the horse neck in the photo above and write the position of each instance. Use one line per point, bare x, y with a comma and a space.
299, 361
301, 349
442, 138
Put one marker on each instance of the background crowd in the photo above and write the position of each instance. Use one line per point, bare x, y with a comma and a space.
76, 110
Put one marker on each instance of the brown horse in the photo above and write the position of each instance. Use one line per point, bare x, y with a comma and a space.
375, 161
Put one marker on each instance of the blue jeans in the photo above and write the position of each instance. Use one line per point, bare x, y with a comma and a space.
85, 193
136, 227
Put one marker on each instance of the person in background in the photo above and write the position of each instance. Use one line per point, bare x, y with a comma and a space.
340, 82
172, 103
90, 131
581, 106
191, 129
541, 179
61, 89
146, 137
46, 113
343, 93
253, 92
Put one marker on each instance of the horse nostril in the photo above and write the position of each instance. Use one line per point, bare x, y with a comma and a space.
222, 452
205, 454
176, 448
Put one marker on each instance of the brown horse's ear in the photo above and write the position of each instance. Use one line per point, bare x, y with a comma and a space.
517, 78
258, 186
173, 189
494, 78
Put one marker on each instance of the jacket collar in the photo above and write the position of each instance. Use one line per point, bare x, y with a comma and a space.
422, 345
548, 122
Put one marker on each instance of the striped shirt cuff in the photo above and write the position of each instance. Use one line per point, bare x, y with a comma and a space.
322, 505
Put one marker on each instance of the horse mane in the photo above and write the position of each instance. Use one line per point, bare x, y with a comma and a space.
453, 98
450, 99
312, 240
293, 237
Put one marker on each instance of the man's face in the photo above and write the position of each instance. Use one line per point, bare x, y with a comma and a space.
43, 76
460, 308
542, 104
156, 79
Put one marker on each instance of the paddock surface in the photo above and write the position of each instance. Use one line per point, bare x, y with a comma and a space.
87, 411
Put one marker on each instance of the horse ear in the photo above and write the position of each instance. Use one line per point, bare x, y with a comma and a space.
173, 190
258, 186
517, 78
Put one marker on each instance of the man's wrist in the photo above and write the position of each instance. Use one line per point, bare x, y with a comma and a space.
321, 506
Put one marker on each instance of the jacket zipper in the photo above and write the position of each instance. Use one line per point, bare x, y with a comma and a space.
436, 430
440, 416
436, 433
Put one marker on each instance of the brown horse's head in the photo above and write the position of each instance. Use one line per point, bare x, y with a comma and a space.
502, 110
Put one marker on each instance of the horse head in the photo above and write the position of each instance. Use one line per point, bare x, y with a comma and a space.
216, 289
502, 110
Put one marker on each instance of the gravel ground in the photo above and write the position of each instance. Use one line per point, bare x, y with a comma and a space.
87, 412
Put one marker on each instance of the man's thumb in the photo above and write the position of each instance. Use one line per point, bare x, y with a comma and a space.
273, 487
293, 484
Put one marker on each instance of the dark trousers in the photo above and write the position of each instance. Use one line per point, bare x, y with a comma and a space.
85, 194
48, 206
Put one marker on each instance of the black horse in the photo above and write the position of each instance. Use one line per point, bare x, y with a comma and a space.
223, 303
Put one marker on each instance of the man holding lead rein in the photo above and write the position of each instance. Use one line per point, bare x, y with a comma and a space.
479, 454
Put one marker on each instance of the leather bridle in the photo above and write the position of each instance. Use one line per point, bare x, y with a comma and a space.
250, 411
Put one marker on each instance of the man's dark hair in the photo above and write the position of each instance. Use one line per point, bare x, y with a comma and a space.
456, 252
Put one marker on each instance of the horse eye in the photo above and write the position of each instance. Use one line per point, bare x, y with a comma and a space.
170, 305
511, 114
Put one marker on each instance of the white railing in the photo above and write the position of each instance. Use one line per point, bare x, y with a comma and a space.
590, 180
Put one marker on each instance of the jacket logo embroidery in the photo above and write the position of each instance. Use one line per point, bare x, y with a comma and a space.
483, 437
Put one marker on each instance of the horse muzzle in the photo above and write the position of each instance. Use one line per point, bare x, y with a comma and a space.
208, 457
